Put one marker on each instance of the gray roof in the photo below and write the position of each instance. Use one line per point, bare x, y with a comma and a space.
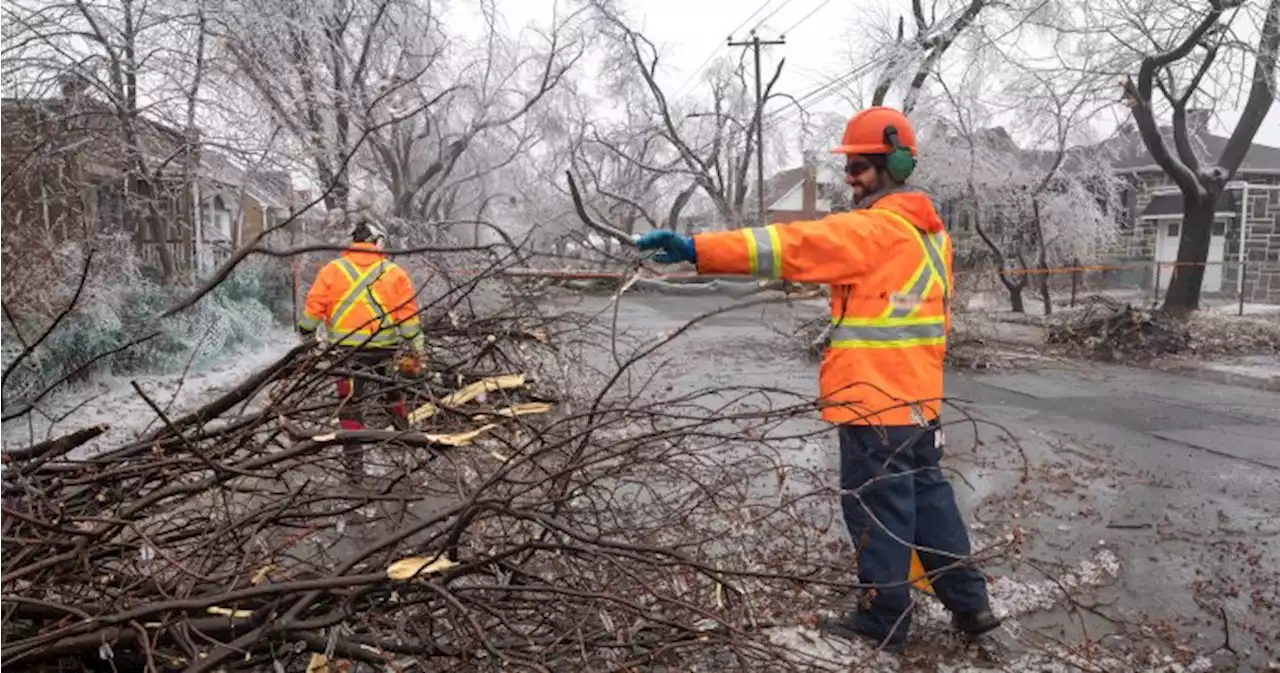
777, 185
273, 188
1130, 153
1127, 152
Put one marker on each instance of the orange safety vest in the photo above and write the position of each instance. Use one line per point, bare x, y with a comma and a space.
363, 299
889, 271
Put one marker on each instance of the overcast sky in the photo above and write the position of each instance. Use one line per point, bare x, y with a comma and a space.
817, 47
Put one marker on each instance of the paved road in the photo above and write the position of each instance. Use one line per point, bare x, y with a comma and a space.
1179, 478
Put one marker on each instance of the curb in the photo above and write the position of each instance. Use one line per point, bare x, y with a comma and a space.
1268, 383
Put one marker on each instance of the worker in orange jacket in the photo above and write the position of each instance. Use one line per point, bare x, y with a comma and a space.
888, 265
368, 309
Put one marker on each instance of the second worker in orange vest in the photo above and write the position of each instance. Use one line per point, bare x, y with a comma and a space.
367, 307
888, 265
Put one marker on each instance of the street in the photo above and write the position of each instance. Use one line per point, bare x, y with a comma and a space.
1155, 496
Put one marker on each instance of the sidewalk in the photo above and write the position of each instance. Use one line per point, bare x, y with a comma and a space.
1251, 371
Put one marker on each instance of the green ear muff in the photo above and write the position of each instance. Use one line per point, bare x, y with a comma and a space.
899, 164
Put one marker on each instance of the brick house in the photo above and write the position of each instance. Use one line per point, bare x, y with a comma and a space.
1151, 225
65, 179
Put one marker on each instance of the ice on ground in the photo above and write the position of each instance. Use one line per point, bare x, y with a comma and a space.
1010, 598
113, 402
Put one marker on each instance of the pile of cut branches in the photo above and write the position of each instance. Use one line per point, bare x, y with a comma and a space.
1108, 330
521, 523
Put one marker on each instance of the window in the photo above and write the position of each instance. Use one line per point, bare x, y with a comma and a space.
108, 208
1220, 228
1171, 230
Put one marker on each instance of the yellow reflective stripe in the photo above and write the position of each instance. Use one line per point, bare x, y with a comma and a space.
764, 251
931, 246
360, 282
775, 246
888, 332
860, 344
919, 278
365, 339
934, 245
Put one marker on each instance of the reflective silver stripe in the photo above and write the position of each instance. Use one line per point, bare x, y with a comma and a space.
363, 339
888, 335
916, 290
933, 248
409, 328
365, 284
308, 323
764, 251
932, 245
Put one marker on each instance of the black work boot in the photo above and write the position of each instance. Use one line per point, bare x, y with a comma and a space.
975, 623
847, 627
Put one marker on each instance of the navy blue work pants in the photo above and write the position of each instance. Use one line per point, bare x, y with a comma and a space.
891, 473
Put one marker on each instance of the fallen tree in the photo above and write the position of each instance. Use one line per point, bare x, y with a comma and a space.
521, 521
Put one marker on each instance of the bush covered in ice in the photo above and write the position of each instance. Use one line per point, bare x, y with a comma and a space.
119, 303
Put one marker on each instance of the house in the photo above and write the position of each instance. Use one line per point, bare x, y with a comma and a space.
1244, 248
65, 178
1150, 216
806, 192
237, 204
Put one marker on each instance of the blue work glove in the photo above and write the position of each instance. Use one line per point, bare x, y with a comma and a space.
675, 248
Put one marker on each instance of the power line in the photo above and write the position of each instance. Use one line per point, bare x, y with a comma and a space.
716, 49
770, 16
819, 94
806, 17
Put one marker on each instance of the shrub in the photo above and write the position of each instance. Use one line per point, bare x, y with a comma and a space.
119, 305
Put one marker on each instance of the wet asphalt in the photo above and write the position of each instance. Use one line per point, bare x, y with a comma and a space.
1179, 477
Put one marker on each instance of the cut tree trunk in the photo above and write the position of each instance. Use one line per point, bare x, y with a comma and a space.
1193, 251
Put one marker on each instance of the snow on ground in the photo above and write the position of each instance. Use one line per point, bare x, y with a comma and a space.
112, 401
1010, 599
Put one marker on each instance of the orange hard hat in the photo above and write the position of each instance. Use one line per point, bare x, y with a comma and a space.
865, 132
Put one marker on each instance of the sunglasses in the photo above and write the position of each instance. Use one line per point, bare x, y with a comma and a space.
857, 166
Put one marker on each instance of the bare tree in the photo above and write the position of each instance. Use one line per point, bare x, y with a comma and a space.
1031, 207
337, 74
633, 174
135, 63
715, 145
1181, 61
912, 60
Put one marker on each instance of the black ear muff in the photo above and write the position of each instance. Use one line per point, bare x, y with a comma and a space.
900, 164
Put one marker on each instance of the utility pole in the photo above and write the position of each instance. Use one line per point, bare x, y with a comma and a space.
755, 43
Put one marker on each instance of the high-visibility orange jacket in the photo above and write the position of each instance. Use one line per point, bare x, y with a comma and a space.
889, 268
363, 299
